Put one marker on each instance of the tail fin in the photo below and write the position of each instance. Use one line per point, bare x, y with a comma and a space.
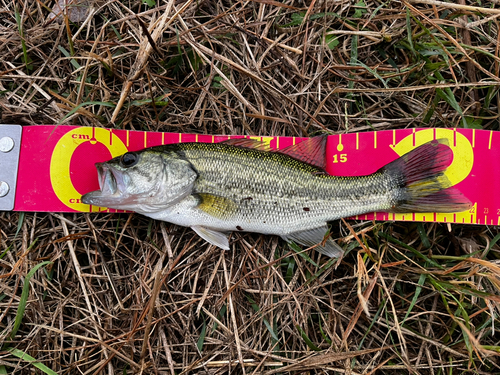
423, 186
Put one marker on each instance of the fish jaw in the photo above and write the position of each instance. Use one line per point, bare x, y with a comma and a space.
112, 192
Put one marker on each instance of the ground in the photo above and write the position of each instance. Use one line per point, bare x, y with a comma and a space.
123, 294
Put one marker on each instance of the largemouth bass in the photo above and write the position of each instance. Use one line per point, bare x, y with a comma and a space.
239, 185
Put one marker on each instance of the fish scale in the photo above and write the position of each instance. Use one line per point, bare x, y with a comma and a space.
301, 186
241, 186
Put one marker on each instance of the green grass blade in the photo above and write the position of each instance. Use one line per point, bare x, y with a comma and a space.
421, 282
221, 314
5, 251
27, 358
423, 235
67, 54
415, 252
203, 334
354, 58
24, 298
409, 30
266, 322
19, 223
323, 268
373, 72
290, 268
325, 337
26, 58
449, 97
492, 243
270, 329
308, 341
301, 253
105, 104
372, 323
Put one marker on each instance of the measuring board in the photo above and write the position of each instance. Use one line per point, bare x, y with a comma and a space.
56, 164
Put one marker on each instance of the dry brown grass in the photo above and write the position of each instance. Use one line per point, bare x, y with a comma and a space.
125, 294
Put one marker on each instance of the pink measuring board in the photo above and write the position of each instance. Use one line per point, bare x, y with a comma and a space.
57, 164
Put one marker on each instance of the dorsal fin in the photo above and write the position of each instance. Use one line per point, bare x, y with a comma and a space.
311, 151
248, 143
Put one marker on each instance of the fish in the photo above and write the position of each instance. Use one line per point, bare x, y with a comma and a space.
242, 185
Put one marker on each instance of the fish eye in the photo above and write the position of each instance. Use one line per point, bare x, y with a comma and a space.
129, 159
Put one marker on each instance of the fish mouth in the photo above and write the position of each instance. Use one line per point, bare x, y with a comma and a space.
110, 184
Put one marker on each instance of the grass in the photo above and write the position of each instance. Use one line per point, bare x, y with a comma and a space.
118, 293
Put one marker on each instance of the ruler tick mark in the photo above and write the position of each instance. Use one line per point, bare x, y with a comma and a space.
340, 146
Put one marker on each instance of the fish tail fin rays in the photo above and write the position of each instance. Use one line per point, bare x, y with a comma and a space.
422, 185
316, 236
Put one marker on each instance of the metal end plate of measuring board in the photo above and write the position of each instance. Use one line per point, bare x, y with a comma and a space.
10, 147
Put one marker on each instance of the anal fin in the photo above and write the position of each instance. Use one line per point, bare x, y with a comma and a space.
215, 237
315, 236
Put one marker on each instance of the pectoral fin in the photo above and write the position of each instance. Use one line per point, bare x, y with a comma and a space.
216, 238
316, 236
